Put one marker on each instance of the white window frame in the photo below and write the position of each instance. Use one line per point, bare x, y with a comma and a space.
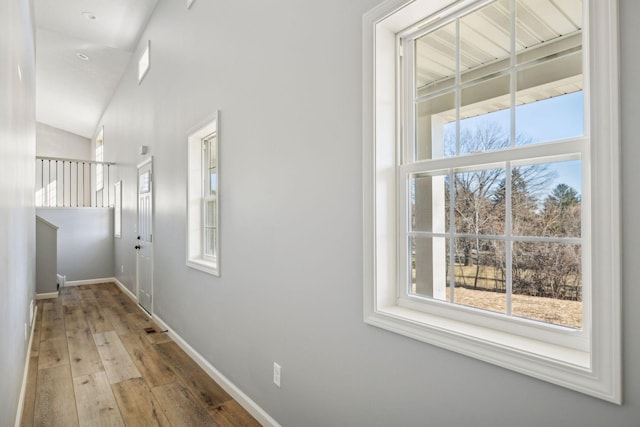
590, 364
197, 189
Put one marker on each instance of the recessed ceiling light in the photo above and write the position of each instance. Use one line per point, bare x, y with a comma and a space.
88, 15
82, 56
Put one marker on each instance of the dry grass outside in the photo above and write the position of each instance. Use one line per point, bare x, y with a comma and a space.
558, 312
490, 295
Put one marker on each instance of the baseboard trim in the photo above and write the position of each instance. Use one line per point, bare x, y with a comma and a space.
245, 401
47, 296
89, 282
25, 375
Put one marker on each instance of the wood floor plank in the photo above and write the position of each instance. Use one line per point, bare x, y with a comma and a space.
231, 414
30, 393
85, 292
126, 303
52, 321
74, 316
83, 353
53, 352
158, 338
95, 402
37, 332
132, 324
96, 320
55, 402
150, 364
115, 359
138, 405
193, 376
180, 406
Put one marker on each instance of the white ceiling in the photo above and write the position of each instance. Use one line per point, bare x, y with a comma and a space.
71, 93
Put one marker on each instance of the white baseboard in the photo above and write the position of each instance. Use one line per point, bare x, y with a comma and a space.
25, 376
244, 400
47, 296
89, 282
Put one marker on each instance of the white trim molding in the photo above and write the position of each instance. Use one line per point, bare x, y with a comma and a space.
25, 376
593, 367
49, 295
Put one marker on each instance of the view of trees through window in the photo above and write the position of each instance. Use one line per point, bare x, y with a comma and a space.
506, 229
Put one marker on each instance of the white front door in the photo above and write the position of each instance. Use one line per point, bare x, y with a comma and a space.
144, 244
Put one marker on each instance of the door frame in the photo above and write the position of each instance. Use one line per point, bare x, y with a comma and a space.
141, 165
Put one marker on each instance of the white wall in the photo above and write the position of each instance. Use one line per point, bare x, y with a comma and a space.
286, 77
17, 214
54, 142
85, 241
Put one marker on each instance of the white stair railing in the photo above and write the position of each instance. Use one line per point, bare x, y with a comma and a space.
74, 183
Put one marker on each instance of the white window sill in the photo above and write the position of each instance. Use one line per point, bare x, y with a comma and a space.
556, 364
204, 266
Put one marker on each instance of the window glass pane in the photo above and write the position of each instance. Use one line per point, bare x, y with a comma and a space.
546, 199
210, 212
548, 116
547, 282
434, 138
435, 63
488, 103
480, 201
210, 242
480, 274
428, 266
484, 41
545, 28
429, 202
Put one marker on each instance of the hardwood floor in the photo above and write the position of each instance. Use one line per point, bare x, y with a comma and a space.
93, 364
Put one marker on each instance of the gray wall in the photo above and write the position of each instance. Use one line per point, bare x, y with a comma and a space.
85, 241
286, 76
54, 142
46, 256
17, 213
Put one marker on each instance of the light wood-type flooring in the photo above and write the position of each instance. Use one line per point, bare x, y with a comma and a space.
93, 362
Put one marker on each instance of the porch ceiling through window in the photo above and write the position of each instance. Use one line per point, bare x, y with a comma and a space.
556, 39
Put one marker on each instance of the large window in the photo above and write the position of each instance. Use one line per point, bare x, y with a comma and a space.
203, 246
491, 218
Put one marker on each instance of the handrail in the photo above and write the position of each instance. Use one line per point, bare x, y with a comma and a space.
61, 159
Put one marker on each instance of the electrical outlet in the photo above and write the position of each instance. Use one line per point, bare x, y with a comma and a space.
121, 268
276, 374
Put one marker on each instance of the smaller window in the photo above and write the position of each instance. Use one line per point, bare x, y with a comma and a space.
144, 62
117, 210
203, 243
100, 158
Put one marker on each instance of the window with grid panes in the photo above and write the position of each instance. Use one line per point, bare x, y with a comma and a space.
482, 184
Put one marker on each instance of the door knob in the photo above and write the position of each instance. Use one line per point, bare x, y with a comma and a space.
136, 247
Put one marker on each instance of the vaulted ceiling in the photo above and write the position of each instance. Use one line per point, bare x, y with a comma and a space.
82, 50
